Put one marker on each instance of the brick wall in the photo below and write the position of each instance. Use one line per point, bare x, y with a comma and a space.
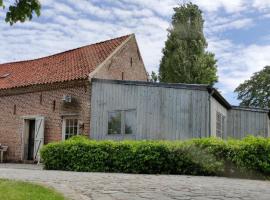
42, 103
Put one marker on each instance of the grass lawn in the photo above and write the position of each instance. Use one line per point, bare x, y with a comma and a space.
17, 190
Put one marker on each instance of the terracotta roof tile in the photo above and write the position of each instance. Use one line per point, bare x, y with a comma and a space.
69, 65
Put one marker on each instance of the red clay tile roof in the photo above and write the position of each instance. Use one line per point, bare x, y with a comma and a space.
70, 65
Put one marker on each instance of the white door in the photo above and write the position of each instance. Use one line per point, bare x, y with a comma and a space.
39, 137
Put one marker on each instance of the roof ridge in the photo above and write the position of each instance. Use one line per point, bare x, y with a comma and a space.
63, 52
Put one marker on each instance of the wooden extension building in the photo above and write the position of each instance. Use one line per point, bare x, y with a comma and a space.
146, 110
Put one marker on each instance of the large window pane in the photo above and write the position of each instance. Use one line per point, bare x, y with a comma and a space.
114, 124
76, 129
130, 121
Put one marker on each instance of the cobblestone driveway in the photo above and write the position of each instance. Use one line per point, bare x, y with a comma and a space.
102, 186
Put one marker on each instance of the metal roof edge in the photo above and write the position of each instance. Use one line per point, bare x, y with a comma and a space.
255, 109
153, 84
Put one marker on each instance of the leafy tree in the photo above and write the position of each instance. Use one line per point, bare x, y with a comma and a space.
185, 58
21, 10
154, 77
255, 92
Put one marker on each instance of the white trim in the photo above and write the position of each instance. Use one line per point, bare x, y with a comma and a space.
64, 126
39, 137
29, 117
24, 118
63, 129
70, 115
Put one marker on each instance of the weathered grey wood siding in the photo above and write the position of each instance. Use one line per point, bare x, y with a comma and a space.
162, 112
242, 123
217, 107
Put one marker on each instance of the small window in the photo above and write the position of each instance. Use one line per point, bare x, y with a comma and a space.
70, 128
122, 122
220, 125
114, 125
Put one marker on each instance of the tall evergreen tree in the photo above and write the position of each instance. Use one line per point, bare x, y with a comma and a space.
185, 59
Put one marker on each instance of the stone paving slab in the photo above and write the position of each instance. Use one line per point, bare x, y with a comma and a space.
21, 166
107, 186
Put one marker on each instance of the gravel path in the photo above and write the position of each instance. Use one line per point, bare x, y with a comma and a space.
106, 186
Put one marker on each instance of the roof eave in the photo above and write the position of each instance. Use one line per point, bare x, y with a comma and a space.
215, 94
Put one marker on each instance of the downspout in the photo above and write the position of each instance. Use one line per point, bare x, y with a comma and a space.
211, 92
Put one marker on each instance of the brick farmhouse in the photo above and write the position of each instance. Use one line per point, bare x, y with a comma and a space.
48, 99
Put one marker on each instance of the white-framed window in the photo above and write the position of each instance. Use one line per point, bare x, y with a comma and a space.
122, 122
70, 127
220, 125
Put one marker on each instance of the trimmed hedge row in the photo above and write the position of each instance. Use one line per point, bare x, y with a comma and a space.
249, 157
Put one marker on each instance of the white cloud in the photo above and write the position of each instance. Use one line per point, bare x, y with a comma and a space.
47, 13
261, 4
63, 8
68, 24
238, 62
161, 7
228, 24
266, 15
88, 8
228, 5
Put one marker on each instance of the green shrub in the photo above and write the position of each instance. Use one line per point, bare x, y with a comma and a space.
249, 157
253, 155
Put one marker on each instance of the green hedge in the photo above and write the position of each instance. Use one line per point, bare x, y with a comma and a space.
249, 157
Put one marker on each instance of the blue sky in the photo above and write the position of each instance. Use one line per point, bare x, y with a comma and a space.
237, 32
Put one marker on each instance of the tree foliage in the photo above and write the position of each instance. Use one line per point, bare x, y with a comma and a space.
21, 10
153, 77
185, 58
255, 92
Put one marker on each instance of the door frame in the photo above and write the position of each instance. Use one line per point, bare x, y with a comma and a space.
25, 128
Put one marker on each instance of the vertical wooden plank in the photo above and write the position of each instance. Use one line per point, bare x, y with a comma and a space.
98, 112
101, 134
